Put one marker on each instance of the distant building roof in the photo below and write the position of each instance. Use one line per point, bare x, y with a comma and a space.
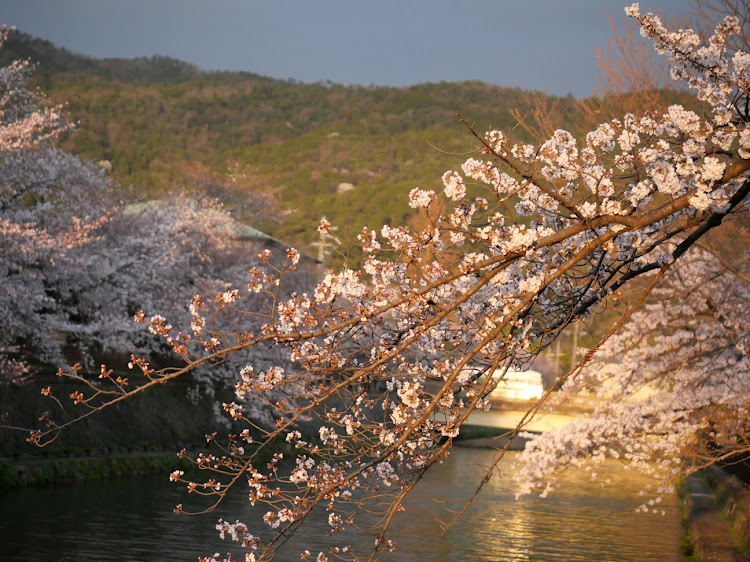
240, 230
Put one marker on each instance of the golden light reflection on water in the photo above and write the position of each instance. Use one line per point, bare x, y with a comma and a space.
580, 521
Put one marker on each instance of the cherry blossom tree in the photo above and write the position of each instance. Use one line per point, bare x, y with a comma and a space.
77, 261
673, 385
144, 252
54, 204
387, 362
25, 119
35, 237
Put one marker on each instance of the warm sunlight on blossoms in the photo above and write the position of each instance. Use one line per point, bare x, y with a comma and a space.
348, 389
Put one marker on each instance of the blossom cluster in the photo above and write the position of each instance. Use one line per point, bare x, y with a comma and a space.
671, 387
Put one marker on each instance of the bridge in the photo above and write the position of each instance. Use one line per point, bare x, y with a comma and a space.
506, 413
550, 416
509, 418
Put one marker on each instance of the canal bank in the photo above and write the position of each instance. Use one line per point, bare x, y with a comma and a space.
717, 516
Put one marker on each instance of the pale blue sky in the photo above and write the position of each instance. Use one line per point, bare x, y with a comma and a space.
534, 44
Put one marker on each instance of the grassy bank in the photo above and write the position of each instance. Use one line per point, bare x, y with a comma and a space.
52, 472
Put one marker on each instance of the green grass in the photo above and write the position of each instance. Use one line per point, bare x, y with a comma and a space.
41, 473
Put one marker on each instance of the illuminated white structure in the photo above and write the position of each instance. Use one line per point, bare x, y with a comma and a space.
517, 385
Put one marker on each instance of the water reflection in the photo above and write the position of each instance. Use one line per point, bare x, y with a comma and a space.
132, 520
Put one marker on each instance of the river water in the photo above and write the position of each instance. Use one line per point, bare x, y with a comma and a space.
131, 520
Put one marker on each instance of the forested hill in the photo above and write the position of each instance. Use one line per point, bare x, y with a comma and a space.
351, 153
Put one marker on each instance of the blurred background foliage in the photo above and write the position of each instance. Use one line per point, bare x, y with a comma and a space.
351, 153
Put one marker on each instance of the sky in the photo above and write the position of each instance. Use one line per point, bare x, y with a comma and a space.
547, 45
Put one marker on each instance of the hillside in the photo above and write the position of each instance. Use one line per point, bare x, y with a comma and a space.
351, 153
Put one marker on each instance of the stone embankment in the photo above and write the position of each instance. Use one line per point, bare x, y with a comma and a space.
718, 516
